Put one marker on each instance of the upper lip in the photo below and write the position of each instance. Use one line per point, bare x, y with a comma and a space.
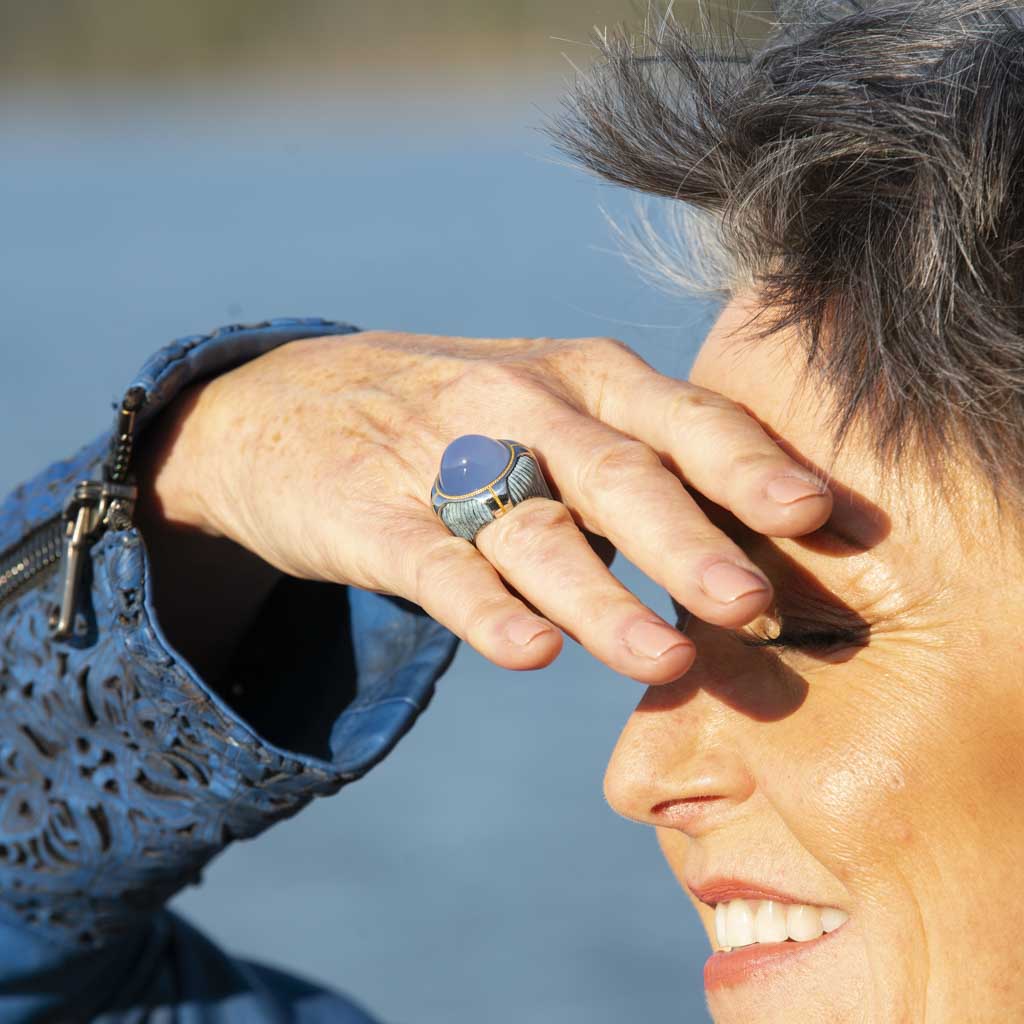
719, 889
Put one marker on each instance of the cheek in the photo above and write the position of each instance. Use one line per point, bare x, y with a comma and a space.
853, 794
904, 781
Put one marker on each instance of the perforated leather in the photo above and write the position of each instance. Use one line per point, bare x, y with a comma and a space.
121, 772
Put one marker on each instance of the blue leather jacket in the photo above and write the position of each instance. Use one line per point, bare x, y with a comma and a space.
122, 772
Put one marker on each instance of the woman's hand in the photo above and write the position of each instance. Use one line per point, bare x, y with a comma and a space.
319, 456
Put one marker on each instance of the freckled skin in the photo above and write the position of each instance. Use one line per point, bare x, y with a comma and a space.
887, 782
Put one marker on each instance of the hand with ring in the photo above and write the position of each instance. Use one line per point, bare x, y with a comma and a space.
330, 459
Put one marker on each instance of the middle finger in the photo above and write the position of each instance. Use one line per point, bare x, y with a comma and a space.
538, 549
620, 489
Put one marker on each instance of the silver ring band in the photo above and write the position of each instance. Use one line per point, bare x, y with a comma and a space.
467, 514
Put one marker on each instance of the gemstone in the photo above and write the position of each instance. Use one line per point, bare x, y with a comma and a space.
471, 462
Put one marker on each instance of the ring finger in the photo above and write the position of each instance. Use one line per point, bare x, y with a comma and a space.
538, 549
620, 489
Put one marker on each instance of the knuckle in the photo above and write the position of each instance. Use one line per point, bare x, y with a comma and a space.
497, 374
611, 608
616, 463
754, 462
702, 403
437, 566
575, 358
482, 612
610, 346
537, 515
532, 532
381, 564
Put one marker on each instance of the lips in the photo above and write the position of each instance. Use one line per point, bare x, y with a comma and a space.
759, 927
724, 970
721, 890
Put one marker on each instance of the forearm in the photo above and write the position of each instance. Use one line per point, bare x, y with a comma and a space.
131, 769
126, 769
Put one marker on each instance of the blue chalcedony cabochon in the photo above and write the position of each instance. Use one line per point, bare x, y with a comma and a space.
471, 462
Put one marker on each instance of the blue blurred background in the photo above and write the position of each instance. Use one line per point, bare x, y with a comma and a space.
156, 185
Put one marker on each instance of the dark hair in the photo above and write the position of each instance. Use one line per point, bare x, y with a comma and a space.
864, 171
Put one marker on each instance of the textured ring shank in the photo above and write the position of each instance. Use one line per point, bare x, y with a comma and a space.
466, 517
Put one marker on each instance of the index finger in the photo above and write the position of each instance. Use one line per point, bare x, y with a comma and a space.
713, 444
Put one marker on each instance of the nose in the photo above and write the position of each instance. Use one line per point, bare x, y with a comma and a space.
679, 762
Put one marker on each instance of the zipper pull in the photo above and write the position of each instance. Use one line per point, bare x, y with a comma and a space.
92, 508
79, 527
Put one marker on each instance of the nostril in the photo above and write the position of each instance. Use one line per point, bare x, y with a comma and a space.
668, 805
693, 815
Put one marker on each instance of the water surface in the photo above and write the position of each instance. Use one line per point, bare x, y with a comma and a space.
476, 875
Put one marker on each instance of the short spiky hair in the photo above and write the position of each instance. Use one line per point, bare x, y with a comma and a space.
864, 171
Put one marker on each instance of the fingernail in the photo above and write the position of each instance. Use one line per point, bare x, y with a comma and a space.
787, 490
727, 583
525, 628
652, 639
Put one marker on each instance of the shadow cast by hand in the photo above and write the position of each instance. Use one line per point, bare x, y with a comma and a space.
749, 675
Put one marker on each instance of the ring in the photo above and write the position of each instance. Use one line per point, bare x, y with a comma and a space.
481, 479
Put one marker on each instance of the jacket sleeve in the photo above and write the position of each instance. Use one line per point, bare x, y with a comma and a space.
121, 772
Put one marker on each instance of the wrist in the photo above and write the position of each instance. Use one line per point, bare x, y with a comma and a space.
169, 466
207, 589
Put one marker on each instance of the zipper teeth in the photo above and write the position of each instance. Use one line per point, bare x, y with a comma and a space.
40, 551
124, 436
35, 557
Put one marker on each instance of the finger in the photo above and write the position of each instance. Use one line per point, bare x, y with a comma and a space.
618, 487
458, 587
713, 444
541, 552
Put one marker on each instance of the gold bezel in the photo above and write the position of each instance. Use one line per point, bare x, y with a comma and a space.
486, 487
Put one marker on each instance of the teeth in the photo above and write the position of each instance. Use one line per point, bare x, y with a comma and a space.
802, 922
720, 932
831, 918
744, 922
770, 922
739, 924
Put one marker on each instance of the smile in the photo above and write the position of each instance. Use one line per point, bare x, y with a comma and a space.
758, 936
742, 922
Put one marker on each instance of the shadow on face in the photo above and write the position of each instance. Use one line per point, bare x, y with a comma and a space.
778, 694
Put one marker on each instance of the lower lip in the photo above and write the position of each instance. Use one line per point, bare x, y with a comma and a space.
723, 970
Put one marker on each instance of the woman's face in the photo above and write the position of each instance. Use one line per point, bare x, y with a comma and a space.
881, 777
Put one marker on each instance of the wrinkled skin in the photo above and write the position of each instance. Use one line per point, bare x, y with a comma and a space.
884, 780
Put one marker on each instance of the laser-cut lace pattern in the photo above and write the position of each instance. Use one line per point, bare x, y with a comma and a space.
119, 777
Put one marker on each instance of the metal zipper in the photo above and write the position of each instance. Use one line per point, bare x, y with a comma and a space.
93, 507
32, 560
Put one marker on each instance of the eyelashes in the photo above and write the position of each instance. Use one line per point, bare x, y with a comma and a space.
810, 637
820, 630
